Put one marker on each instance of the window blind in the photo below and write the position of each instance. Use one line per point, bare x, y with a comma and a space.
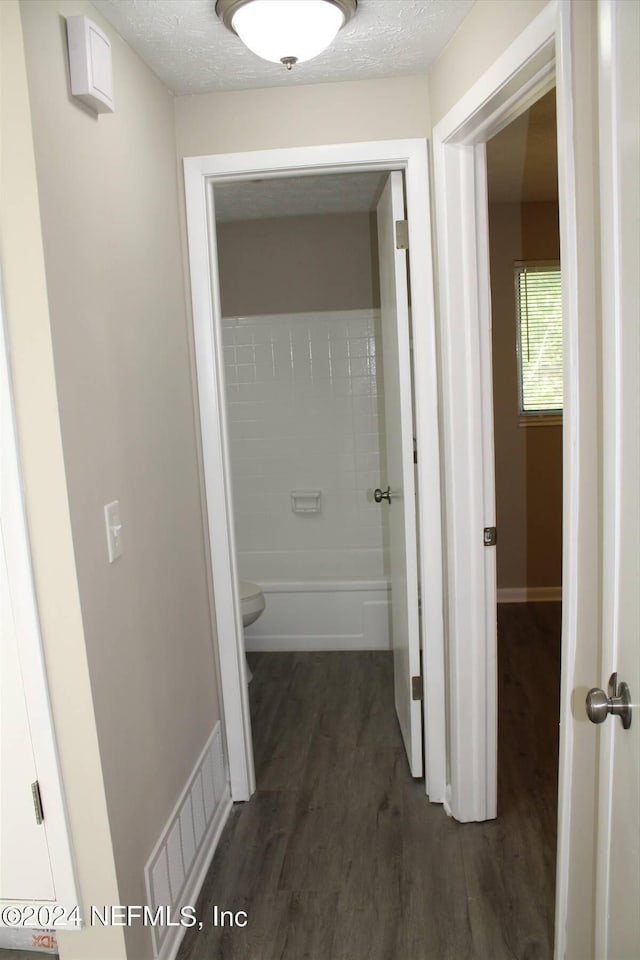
539, 338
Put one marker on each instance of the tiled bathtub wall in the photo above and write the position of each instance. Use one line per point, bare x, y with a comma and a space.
303, 405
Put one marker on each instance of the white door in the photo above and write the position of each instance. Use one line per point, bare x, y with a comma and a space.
398, 483
32, 854
618, 863
25, 872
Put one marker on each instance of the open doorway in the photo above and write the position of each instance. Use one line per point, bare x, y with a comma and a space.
303, 391
401, 160
526, 318
314, 318
524, 253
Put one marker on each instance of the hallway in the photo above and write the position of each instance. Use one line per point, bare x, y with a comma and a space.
339, 856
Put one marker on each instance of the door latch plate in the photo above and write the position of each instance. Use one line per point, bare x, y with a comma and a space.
490, 536
402, 234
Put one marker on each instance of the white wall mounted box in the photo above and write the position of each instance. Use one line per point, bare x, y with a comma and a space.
90, 64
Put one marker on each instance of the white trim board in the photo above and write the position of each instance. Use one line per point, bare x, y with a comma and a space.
529, 594
201, 174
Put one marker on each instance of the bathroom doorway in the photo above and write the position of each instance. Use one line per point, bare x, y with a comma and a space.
409, 158
319, 416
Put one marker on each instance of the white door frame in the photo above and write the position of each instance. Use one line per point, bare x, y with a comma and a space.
201, 173
538, 58
520, 76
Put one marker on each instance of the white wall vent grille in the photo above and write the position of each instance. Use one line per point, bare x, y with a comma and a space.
182, 855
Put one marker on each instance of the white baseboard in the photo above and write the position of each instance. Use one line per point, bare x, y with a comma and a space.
178, 865
529, 594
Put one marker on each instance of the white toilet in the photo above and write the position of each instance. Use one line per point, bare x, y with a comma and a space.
252, 603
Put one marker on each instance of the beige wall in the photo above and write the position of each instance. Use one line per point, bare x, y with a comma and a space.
26, 314
302, 116
109, 205
528, 459
486, 32
298, 264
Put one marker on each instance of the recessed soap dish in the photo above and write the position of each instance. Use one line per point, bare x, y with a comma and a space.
306, 501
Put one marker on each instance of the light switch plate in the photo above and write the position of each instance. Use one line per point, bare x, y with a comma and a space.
114, 530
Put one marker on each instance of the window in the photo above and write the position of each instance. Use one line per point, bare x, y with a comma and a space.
539, 339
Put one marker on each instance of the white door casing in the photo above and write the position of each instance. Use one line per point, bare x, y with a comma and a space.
398, 469
519, 77
617, 933
201, 174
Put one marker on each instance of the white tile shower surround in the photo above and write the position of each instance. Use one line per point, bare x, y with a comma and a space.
303, 407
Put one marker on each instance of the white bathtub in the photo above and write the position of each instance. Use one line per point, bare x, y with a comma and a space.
322, 615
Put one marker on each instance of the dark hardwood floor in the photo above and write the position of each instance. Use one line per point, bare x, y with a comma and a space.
339, 855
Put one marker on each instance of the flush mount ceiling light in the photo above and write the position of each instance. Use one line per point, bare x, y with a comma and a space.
286, 31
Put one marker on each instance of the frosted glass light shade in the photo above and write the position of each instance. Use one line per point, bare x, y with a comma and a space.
279, 30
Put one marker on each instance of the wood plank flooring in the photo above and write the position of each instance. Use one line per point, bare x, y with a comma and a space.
339, 856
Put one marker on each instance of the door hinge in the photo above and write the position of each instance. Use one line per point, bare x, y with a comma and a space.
37, 801
490, 536
417, 689
402, 234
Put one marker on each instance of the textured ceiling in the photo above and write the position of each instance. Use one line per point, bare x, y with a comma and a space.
189, 49
330, 193
522, 160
